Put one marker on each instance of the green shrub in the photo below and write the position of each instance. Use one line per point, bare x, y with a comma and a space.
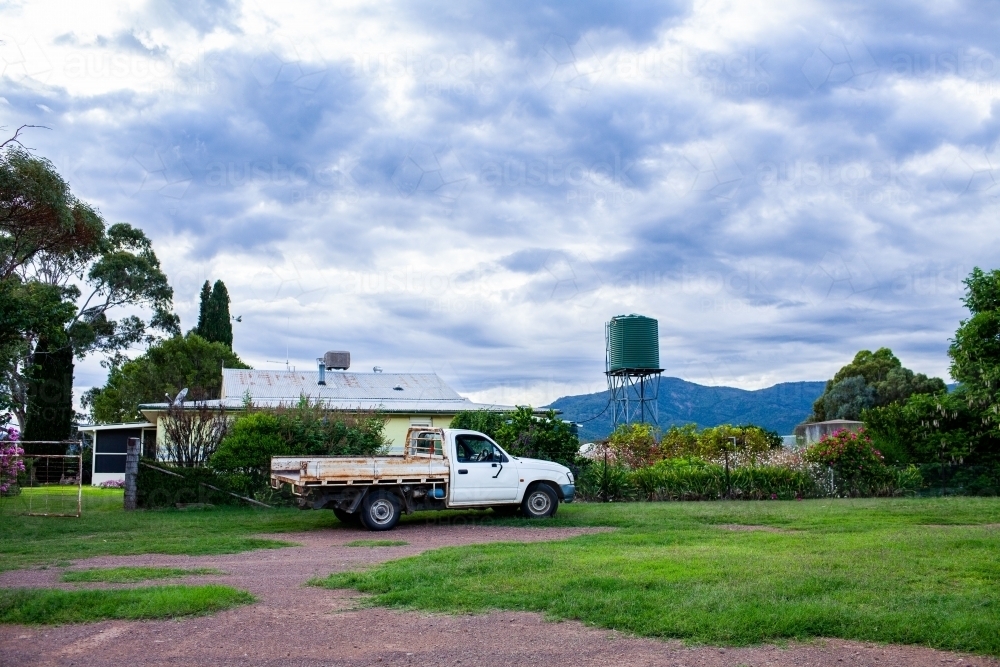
523, 433
310, 429
858, 469
156, 488
243, 458
634, 445
605, 481
696, 479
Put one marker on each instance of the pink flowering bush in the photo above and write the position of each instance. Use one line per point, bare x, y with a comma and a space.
858, 468
113, 484
11, 463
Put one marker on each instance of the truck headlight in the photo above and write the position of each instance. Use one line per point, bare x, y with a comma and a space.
569, 476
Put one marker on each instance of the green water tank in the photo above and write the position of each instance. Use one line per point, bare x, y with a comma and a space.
633, 342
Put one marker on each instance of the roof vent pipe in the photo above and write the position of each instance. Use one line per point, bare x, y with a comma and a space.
322, 372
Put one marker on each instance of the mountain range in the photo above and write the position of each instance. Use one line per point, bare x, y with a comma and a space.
779, 408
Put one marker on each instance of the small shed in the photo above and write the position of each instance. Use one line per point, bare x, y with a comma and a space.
109, 441
816, 430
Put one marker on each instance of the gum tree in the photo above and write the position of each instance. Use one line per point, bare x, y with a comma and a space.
63, 275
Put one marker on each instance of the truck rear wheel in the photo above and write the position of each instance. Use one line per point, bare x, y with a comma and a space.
539, 502
380, 510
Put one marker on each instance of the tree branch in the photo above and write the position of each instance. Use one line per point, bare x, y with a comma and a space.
16, 140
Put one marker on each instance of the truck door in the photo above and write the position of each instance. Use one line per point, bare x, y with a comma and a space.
482, 473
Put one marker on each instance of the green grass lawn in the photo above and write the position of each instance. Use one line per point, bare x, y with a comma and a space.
127, 575
104, 529
920, 571
53, 607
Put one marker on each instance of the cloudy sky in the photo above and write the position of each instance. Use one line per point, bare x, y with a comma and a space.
475, 188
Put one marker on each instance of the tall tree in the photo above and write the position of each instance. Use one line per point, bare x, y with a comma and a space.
872, 379
975, 351
203, 308
188, 362
222, 323
52, 248
214, 321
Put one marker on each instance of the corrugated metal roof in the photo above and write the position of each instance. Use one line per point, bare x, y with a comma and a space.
397, 407
265, 387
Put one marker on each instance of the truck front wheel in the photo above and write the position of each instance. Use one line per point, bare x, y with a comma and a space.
539, 502
380, 510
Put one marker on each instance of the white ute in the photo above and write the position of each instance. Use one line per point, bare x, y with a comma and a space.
439, 469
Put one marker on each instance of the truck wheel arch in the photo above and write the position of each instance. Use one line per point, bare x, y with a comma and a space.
552, 485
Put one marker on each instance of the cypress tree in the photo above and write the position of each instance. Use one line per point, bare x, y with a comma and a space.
203, 310
221, 328
49, 414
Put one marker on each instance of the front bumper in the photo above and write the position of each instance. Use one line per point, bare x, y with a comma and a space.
568, 492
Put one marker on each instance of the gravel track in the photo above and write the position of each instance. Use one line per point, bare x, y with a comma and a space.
293, 624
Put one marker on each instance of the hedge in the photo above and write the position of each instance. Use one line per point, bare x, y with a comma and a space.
156, 488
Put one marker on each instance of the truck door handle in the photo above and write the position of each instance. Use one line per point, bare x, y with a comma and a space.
494, 465
463, 471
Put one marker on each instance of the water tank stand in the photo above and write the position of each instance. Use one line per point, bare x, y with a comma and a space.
634, 395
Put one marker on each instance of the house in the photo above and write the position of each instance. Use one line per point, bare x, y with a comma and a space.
405, 399
816, 430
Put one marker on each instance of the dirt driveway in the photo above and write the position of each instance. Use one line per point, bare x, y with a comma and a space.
292, 624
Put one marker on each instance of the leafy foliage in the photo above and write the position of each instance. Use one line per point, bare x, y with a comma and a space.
872, 379
243, 459
741, 445
954, 437
858, 467
697, 479
975, 357
156, 488
52, 248
523, 433
214, 321
167, 367
634, 445
484, 421
244, 456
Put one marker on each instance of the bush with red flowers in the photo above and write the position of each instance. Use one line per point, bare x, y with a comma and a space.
857, 467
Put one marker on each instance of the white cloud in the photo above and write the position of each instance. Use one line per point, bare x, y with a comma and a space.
430, 187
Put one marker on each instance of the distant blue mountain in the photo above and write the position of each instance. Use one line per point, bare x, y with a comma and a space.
779, 408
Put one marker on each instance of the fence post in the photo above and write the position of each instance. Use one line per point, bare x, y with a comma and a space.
131, 472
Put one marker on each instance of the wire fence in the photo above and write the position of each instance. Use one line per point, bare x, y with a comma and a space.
47, 485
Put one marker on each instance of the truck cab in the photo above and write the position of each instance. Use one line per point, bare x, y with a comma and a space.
438, 469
